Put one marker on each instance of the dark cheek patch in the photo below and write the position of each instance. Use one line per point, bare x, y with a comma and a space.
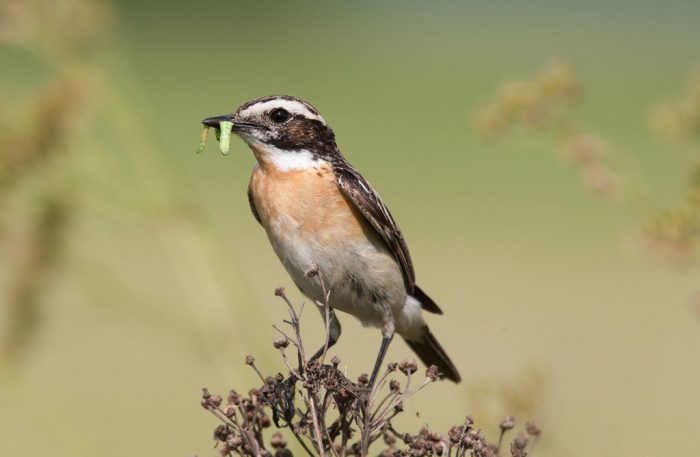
303, 133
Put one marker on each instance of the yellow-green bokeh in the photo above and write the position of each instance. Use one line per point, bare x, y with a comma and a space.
166, 281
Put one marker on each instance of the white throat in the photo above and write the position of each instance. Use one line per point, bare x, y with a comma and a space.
286, 160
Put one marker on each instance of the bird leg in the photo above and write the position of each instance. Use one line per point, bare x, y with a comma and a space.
387, 335
334, 330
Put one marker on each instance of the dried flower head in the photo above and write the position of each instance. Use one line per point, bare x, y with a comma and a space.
363, 379
327, 413
532, 429
507, 424
280, 343
432, 373
394, 386
408, 366
518, 446
278, 441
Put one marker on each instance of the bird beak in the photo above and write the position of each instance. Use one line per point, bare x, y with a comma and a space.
216, 120
223, 132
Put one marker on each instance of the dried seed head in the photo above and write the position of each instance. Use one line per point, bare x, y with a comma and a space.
455, 433
394, 386
507, 424
249, 360
215, 400
389, 439
335, 361
392, 366
221, 433
408, 366
280, 343
432, 373
233, 397
517, 447
234, 441
363, 379
278, 441
264, 420
532, 429
205, 393
300, 428
433, 436
279, 292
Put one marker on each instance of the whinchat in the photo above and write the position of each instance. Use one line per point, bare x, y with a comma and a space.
319, 210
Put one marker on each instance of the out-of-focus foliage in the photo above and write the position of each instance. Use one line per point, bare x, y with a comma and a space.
34, 143
542, 103
132, 273
546, 106
674, 234
680, 118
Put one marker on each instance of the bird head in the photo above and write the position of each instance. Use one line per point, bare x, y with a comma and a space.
282, 130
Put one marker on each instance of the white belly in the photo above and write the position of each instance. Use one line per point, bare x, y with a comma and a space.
309, 221
363, 279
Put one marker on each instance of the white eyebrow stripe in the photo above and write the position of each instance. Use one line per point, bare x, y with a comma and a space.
292, 106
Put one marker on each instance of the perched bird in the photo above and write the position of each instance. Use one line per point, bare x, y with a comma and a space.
318, 210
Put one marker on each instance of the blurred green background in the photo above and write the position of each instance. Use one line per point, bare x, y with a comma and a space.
133, 273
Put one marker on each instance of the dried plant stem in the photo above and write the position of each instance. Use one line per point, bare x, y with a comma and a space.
317, 427
356, 408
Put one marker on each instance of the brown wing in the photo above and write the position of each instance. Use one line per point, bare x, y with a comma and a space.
252, 205
377, 214
370, 204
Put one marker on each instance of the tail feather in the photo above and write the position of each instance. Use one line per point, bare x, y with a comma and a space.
426, 302
431, 353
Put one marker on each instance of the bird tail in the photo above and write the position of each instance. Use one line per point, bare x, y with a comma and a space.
430, 352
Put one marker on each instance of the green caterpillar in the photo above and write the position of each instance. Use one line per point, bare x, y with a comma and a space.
203, 140
223, 136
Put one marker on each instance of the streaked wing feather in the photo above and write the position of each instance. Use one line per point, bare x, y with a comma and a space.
377, 214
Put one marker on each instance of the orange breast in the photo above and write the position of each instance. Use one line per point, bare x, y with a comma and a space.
306, 203
309, 220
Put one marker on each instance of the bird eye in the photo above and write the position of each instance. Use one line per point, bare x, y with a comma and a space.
279, 115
